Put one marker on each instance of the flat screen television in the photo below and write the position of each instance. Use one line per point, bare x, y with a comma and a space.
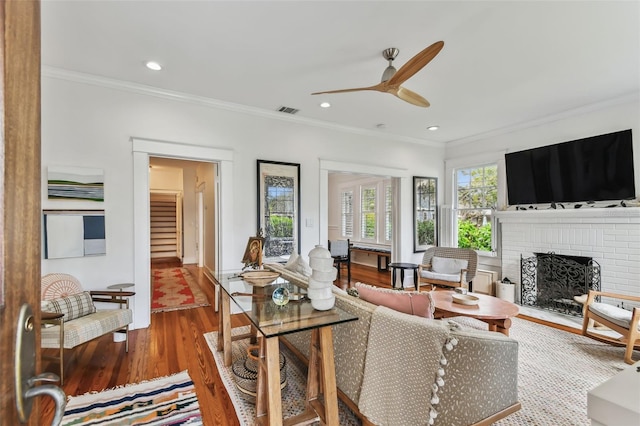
597, 168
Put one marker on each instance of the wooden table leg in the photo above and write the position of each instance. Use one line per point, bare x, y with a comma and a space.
500, 325
328, 372
224, 331
268, 394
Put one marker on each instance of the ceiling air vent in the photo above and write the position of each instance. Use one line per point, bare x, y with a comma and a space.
288, 110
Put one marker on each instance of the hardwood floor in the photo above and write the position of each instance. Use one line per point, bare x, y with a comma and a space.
173, 342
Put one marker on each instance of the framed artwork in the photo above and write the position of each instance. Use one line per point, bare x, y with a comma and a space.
425, 213
73, 233
279, 208
75, 183
253, 252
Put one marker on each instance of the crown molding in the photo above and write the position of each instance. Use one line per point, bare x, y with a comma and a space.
620, 100
142, 89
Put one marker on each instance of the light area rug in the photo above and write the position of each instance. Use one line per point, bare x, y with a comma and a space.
556, 369
175, 288
169, 400
293, 396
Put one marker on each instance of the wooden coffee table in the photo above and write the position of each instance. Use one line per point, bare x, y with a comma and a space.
495, 312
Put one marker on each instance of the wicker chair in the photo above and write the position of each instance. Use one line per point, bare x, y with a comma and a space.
70, 318
622, 321
458, 273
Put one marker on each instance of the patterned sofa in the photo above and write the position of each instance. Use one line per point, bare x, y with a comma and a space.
398, 369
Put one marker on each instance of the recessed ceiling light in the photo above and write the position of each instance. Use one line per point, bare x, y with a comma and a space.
432, 128
153, 65
325, 105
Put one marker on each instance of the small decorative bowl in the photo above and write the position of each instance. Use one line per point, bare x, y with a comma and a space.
323, 304
465, 299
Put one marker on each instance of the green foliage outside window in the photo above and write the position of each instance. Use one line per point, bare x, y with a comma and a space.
477, 196
369, 229
426, 232
472, 236
281, 226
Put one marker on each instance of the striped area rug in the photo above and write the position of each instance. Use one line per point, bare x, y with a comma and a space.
169, 400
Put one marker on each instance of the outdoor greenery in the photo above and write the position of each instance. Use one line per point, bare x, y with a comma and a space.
426, 232
472, 236
477, 197
280, 226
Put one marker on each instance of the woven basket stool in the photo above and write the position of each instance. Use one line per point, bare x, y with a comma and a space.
245, 373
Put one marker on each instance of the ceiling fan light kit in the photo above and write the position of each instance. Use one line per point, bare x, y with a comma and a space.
391, 79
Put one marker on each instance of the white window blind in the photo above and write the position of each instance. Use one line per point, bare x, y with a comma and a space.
388, 206
346, 206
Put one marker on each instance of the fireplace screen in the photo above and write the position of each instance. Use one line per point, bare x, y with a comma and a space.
550, 281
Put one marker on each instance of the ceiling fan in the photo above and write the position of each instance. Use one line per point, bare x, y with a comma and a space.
392, 79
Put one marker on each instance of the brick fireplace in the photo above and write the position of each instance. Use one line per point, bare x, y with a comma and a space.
610, 236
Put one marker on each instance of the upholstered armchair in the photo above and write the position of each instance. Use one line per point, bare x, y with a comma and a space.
447, 266
622, 321
70, 317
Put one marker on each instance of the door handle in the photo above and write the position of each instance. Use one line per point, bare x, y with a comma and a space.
25, 365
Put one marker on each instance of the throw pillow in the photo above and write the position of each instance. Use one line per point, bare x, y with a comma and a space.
297, 264
303, 267
291, 262
409, 302
446, 265
73, 306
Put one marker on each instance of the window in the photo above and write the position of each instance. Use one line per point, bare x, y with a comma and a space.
388, 207
425, 212
368, 214
476, 198
346, 212
362, 210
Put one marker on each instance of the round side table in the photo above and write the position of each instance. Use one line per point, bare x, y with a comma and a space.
121, 286
402, 266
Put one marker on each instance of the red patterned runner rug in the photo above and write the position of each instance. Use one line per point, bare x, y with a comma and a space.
175, 288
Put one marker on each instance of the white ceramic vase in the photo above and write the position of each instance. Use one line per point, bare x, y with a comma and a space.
322, 276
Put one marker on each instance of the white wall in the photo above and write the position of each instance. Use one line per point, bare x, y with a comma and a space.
89, 125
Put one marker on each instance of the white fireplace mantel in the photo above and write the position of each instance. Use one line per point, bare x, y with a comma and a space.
580, 214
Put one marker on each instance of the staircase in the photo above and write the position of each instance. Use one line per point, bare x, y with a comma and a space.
163, 227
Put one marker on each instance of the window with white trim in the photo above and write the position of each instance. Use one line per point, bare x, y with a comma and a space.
365, 211
368, 222
476, 198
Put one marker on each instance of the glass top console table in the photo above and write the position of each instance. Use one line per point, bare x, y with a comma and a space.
268, 322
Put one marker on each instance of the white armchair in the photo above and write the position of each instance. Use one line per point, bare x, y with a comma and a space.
447, 266
70, 317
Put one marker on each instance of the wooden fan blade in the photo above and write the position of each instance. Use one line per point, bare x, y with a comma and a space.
378, 87
416, 63
411, 97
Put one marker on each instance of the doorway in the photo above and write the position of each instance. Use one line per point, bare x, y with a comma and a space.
219, 212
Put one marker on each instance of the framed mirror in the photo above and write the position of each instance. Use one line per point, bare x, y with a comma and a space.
279, 209
425, 213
